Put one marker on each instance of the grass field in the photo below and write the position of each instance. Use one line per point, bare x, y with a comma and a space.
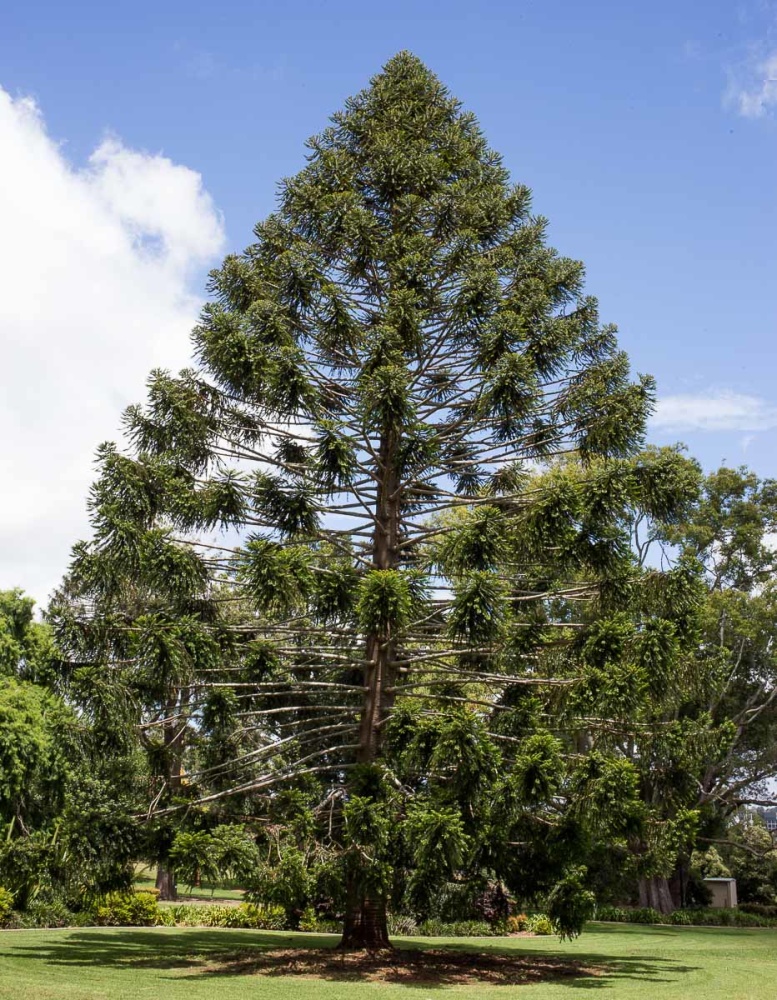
623, 962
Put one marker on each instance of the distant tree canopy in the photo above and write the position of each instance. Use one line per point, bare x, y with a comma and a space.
347, 556
65, 787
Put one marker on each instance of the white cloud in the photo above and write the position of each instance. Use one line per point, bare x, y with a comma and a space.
98, 265
752, 88
717, 410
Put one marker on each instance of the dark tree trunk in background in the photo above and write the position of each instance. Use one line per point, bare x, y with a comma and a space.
165, 882
655, 892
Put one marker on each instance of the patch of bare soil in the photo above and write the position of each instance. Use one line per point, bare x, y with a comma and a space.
406, 967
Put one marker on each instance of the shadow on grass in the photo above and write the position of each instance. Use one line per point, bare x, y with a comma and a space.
199, 954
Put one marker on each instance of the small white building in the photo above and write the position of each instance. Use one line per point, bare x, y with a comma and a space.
724, 892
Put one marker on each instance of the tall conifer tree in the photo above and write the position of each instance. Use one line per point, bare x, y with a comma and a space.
399, 342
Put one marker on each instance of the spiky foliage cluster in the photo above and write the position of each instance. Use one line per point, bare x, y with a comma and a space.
336, 485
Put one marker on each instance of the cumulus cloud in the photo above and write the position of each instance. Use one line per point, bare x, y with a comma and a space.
717, 410
101, 269
753, 86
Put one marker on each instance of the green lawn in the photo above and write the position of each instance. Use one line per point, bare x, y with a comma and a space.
623, 962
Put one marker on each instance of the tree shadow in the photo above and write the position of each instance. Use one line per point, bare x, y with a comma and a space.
198, 954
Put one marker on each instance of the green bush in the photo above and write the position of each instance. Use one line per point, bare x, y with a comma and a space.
401, 925
308, 921
48, 914
706, 916
759, 909
539, 923
126, 909
6, 904
645, 915
459, 928
248, 915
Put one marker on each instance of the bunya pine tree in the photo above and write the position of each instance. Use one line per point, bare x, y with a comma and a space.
397, 343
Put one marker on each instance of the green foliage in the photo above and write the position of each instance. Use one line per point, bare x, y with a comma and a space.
32, 763
254, 916
375, 373
459, 928
225, 853
402, 925
569, 904
384, 601
709, 864
752, 859
286, 884
541, 924
6, 904
128, 909
478, 611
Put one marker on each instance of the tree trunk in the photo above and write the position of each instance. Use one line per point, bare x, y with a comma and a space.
655, 892
365, 924
165, 874
165, 882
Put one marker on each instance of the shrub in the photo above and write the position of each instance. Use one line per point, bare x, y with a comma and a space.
6, 904
701, 917
539, 923
569, 903
517, 923
248, 915
52, 913
759, 909
401, 925
327, 926
126, 909
492, 903
459, 928
645, 915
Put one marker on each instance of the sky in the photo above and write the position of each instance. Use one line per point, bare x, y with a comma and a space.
140, 142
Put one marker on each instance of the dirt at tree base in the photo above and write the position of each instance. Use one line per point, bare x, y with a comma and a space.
438, 966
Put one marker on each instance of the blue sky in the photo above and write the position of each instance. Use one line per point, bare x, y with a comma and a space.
648, 133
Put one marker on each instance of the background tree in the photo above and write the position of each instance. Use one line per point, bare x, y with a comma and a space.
152, 662
697, 721
66, 787
398, 341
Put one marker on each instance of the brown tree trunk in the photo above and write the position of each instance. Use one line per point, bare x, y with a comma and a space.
655, 892
165, 873
165, 882
365, 924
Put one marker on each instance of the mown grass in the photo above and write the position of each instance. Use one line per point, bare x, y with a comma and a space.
624, 962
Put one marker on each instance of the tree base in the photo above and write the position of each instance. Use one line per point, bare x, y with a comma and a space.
165, 883
366, 927
654, 892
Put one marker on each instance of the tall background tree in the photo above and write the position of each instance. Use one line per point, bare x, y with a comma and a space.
398, 342
68, 785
